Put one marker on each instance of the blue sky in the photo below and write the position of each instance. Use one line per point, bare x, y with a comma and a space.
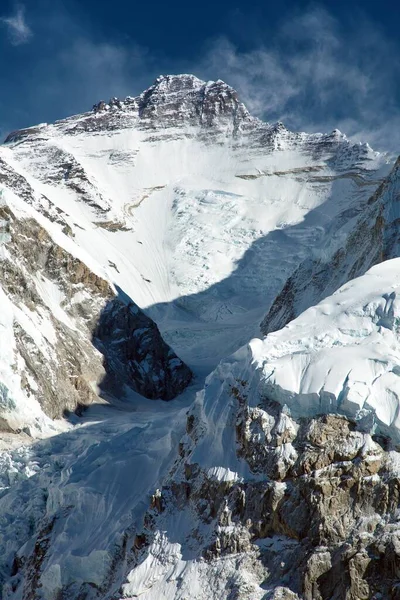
314, 65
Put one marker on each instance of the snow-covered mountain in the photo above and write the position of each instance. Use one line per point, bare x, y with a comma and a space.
142, 243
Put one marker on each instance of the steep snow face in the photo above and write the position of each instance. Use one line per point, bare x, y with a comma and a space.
373, 238
341, 355
196, 209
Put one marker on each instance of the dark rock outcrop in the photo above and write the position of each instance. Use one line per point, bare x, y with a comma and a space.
321, 524
135, 353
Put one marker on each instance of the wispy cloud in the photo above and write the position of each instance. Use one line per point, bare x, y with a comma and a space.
18, 29
313, 72
315, 75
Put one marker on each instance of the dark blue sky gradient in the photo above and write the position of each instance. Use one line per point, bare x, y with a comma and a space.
315, 66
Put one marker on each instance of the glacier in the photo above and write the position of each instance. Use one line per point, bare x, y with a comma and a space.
341, 355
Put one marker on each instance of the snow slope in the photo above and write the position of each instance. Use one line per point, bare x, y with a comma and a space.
197, 210
341, 355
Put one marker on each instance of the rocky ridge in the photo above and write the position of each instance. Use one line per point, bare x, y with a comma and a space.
321, 521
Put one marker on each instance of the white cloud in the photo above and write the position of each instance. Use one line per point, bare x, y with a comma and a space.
18, 30
315, 75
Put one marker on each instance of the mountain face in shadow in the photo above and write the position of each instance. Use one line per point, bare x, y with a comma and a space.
65, 334
135, 354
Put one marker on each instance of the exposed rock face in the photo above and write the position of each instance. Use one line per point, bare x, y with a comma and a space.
31, 263
321, 522
374, 239
136, 355
57, 293
186, 98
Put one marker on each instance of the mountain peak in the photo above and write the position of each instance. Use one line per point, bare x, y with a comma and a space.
183, 80
182, 204
174, 99
186, 83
